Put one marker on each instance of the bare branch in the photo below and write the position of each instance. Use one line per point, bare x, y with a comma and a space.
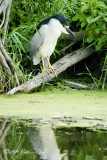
76, 85
5, 65
65, 48
4, 5
6, 21
10, 62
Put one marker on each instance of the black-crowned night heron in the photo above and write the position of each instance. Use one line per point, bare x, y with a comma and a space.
43, 42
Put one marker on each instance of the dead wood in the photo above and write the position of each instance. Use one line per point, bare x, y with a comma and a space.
61, 65
3, 5
6, 20
76, 85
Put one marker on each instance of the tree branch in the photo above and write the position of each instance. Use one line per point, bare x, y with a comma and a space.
61, 65
5, 65
10, 62
6, 21
4, 5
2, 23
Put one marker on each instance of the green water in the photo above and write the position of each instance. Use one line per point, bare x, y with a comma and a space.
26, 140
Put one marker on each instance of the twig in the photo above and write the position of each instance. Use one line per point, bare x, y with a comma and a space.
65, 48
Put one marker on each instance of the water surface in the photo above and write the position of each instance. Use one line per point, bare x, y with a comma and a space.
28, 140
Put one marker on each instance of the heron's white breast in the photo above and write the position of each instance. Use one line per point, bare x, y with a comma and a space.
50, 35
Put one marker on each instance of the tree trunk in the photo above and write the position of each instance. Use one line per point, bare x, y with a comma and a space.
61, 66
7, 65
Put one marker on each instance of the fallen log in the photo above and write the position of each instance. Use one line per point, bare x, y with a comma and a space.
61, 65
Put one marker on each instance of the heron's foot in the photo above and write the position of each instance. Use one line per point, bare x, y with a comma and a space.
52, 69
48, 71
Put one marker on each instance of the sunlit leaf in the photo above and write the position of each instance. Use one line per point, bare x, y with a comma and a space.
89, 19
84, 8
89, 38
102, 4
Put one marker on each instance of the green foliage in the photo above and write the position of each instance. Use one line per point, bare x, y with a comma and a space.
91, 16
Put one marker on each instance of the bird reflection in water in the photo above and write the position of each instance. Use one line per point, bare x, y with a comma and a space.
44, 143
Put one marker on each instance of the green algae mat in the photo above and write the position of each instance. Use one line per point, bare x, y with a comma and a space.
87, 108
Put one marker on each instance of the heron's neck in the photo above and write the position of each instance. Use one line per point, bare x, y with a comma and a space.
54, 27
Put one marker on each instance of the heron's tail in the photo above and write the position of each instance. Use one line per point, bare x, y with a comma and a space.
36, 60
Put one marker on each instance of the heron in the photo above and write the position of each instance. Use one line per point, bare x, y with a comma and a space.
44, 40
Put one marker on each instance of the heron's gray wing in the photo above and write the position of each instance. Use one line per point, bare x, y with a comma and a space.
35, 43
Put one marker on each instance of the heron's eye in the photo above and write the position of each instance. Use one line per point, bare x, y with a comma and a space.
63, 25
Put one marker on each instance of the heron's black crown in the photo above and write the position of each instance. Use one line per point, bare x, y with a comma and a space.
59, 17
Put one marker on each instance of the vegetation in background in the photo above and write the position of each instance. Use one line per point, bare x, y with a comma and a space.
89, 16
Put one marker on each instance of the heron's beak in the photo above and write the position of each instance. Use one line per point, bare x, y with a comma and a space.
70, 32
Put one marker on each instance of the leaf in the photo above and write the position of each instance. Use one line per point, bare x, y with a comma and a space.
84, 8
18, 42
102, 4
89, 19
98, 47
83, 24
95, 19
21, 36
105, 19
97, 30
76, 17
90, 38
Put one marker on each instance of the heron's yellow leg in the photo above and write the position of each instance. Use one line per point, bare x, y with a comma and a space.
50, 67
45, 69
